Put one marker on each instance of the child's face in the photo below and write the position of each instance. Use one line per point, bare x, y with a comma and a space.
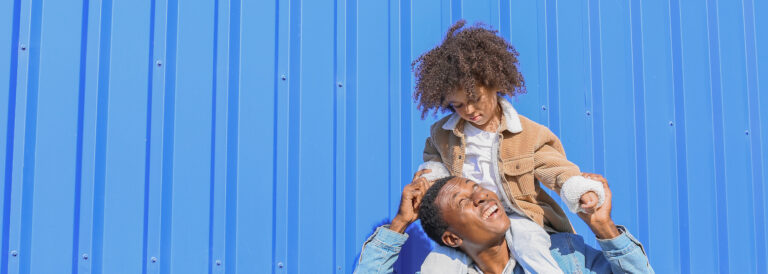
478, 111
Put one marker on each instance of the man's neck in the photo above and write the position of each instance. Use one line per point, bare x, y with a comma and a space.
492, 259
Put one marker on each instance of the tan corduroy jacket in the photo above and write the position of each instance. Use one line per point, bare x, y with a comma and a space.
528, 153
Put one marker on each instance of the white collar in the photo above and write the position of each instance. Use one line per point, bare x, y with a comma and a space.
510, 116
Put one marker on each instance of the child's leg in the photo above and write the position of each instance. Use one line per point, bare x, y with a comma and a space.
530, 246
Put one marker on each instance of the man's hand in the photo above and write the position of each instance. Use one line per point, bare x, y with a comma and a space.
410, 202
600, 220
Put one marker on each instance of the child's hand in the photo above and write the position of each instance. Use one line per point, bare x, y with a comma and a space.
589, 201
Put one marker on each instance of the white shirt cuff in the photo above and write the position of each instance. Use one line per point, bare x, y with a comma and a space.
438, 170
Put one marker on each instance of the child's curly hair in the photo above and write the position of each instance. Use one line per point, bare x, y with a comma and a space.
467, 57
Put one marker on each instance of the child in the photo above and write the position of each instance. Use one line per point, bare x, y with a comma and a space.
486, 141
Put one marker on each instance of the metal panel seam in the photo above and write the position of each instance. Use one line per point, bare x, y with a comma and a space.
639, 94
717, 118
169, 109
7, 182
680, 136
754, 130
79, 145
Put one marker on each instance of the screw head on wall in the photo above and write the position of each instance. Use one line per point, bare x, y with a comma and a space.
153, 259
85, 256
14, 253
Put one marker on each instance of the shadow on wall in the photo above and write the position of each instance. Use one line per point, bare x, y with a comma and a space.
414, 250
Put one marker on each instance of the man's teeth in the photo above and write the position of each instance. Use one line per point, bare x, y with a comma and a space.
489, 211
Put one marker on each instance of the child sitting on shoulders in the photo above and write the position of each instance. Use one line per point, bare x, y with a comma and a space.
485, 140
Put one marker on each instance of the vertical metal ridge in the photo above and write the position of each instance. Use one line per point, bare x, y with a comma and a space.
30, 137
680, 136
337, 180
20, 236
294, 132
456, 11
389, 110
101, 132
282, 131
351, 130
755, 131
717, 118
505, 20
394, 107
212, 178
154, 259
597, 85
219, 179
553, 78
148, 145
79, 145
9, 134
276, 152
233, 111
639, 94
169, 109
405, 86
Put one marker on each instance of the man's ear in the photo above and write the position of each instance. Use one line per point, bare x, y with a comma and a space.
451, 239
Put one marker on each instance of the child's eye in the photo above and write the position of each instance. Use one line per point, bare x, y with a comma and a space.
457, 106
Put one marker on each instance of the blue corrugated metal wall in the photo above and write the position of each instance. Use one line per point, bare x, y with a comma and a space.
167, 136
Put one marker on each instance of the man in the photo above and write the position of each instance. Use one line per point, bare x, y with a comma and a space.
458, 213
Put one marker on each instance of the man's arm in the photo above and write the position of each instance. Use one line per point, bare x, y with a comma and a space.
624, 253
380, 251
382, 248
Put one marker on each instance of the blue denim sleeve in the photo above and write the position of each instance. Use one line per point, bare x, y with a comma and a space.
625, 253
380, 251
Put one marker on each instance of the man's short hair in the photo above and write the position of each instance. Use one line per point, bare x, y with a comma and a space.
429, 213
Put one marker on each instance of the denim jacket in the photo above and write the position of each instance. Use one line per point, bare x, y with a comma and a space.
623, 254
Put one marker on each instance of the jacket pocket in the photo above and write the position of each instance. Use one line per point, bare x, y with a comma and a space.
519, 175
518, 166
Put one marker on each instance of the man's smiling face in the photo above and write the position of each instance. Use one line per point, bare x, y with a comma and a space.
472, 212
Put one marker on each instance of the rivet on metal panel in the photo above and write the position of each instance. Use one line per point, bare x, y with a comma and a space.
14, 253
671, 123
159, 63
283, 77
543, 107
340, 84
85, 256
218, 262
153, 259
589, 113
23, 47
279, 264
